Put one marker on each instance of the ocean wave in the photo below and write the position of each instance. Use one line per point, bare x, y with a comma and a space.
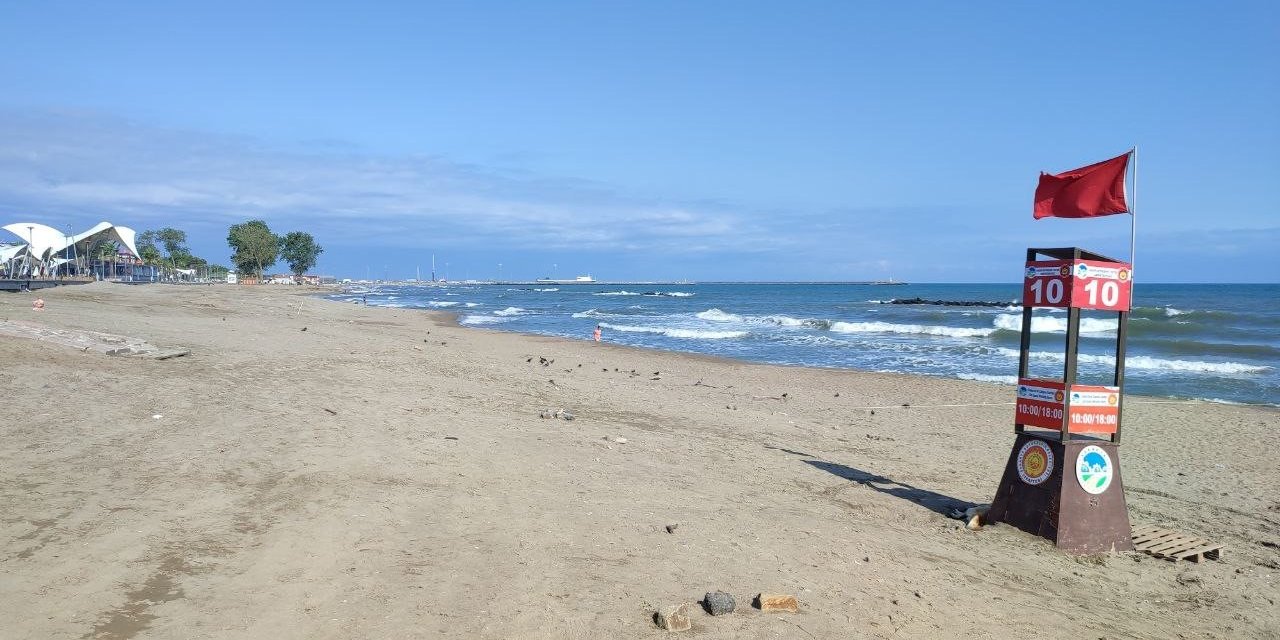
509, 311
1148, 362
716, 315
442, 304
548, 290
920, 329
472, 304
1042, 324
673, 332
616, 293
672, 294
982, 377
595, 313
482, 319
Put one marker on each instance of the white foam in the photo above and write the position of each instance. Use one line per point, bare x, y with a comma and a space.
784, 321
982, 377
716, 315
472, 304
548, 290
919, 329
509, 311
616, 293
679, 294
478, 319
592, 313
439, 304
672, 332
1148, 362
1171, 312
1042, 324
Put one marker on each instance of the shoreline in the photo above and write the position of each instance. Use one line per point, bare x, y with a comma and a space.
454, 318
316, 468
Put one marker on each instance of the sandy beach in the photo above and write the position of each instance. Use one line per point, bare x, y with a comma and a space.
314, 469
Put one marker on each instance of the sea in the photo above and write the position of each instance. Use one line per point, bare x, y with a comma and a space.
1214, 342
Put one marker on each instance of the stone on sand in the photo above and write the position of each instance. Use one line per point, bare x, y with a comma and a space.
674, 618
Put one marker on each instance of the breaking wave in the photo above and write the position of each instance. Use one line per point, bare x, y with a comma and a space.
509, 311
917, 329
1149, 363
1042, 324
670, 332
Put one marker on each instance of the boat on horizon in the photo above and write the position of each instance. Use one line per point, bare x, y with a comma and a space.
587, 279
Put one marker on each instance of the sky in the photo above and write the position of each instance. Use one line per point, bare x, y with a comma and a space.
651, 140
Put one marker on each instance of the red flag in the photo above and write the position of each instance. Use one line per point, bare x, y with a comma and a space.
1095, 190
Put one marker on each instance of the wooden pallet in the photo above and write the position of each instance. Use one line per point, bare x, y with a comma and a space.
1173, 546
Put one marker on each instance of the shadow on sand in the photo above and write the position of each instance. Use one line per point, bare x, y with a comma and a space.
930, 500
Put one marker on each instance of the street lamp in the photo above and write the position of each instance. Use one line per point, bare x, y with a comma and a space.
31, 246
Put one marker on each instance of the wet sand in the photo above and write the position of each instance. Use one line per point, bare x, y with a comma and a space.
385, 473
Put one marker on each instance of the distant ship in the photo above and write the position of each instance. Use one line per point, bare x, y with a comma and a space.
587, 279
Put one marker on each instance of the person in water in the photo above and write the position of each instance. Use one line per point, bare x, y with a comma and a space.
596, 334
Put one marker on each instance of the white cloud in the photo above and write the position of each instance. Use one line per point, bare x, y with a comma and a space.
57, 162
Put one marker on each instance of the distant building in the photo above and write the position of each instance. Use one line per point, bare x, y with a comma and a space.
231, 277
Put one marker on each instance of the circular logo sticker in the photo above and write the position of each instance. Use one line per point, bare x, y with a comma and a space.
1057, 396
1082, 270
1113, 399
1031, 272
1035, 462
1123, 275
1094, 470
1065, 270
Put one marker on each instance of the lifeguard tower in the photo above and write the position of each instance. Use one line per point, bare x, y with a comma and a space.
1062, 481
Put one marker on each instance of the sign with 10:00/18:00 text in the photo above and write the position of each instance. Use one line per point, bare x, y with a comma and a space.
1042, 403
1083, 284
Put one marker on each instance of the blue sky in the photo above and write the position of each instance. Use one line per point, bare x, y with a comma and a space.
710, 140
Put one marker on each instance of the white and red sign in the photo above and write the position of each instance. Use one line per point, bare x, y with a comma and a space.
1043, 403
1083, 284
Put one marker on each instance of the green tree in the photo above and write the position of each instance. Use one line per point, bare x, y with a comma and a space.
255, 247
174, 242
148, 248
300, 250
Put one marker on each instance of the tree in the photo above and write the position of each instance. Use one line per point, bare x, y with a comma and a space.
147, 249
255, 247
174, 242
300, 250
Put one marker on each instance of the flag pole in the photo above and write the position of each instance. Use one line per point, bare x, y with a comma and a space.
1133, 205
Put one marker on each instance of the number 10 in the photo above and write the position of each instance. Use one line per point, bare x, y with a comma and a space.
1052, 291
1110, 293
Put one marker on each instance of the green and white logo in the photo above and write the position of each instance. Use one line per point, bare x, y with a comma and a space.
1094, 469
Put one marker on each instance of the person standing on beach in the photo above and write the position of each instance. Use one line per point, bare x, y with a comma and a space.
596, 334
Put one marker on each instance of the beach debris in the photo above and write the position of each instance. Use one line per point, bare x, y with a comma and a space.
837, 394
303, 329
331, 411
906, 404
873, 412
37, 304
157, 416
528, 360
785, 396
673, 618
718, 603
85, 341
776, 602
557, 413
567, 415
671, 528
451, 437
617, 439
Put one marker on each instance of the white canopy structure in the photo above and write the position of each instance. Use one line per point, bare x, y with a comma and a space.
43, 248
45, 241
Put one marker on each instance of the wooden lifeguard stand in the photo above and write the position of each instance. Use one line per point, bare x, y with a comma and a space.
1062, 480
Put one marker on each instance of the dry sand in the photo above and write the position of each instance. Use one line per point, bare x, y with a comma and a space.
385, 474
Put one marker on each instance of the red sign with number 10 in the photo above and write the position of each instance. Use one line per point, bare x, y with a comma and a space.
1083, 284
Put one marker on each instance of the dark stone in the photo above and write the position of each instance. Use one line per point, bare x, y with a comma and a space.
718, 603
